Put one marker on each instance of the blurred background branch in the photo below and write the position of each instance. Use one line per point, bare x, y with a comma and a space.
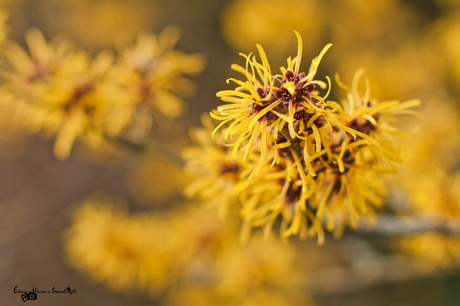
411, 225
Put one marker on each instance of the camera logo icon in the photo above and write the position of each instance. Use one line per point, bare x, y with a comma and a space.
29, 296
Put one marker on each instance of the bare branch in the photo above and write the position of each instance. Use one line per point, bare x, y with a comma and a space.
402, 225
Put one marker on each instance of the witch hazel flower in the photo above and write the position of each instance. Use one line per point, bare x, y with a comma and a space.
309, 161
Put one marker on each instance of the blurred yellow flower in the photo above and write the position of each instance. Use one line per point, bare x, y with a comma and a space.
434, 249
60, 91
383, 67
356, 24
270, 23
186, 255
71, 97
258, 273
446, 32
24, 70
214, 172
356, 28
152, 76
431, 156
260, 265
76, 104
196, 295
105, 20
124, 251
430, 183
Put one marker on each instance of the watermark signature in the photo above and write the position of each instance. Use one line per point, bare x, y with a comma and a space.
31, 295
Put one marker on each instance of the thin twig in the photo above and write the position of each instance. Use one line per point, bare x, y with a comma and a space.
153, 146
398, 225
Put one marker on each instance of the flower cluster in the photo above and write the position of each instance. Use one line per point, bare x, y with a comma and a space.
183, 255
303, 160
121, 250
241, 27
152, 75
429, 187
63, 91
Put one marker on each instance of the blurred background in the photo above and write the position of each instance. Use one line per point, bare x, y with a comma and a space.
113, 223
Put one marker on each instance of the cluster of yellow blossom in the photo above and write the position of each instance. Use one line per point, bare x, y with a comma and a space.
242, 24
293, 154
120, 250
61, 90
185, 255
430, 183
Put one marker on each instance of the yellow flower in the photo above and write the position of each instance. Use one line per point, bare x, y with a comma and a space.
104, 22
265, 104
76, 104
258, 272
430, 183
351, 168
221, 180
185, 255
61, 91
25, 70
447, 33
347, 197
121, 250
372, 122
247, 21
306, 160
356, 46
433, 250
224, 272
72, 97
279, 192
347, 20
152, 75
214, 172
433, 194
